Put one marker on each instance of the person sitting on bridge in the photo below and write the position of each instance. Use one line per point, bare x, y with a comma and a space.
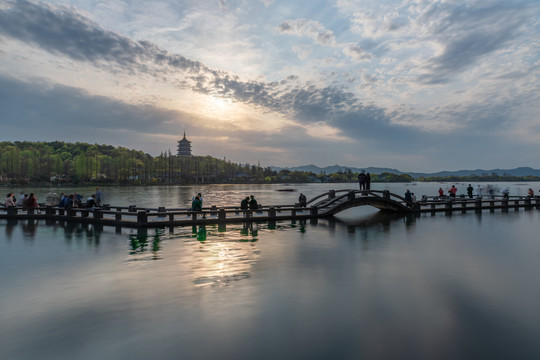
91, 201
302, 200
453, 191
9, 200
530, 192
253, 203
244, 204
69, 203
441, 192
196, 204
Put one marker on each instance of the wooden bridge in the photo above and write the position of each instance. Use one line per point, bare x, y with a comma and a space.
324, 205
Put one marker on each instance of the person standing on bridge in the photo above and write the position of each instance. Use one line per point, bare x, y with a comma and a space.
470, 191
408, 197
362, 180
368, 181
302, 200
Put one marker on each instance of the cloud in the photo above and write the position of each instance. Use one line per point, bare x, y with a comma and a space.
469, 33
357, 53
64, 31
49, 111
308, 28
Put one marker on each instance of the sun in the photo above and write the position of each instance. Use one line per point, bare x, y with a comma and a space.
219, 107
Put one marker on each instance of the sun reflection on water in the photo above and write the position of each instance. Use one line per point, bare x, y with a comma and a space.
223, 258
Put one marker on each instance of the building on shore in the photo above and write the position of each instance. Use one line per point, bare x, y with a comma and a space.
184, 146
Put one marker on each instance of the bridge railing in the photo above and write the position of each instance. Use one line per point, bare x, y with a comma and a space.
330, 195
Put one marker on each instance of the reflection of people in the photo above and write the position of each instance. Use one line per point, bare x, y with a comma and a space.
302, 200
201, 234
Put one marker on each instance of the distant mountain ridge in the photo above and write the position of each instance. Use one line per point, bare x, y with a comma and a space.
519, 171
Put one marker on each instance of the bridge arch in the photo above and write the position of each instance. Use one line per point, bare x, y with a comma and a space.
340, 200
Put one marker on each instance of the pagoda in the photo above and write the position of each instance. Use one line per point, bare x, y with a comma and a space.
184, 146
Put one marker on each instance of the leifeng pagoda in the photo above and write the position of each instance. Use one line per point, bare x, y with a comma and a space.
184, 146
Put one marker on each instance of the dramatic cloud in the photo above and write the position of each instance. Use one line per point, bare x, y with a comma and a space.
385, 82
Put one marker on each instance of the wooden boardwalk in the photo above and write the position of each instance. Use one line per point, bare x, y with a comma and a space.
324, 205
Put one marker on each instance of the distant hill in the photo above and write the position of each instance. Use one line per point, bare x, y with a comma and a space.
520, 171
336, 168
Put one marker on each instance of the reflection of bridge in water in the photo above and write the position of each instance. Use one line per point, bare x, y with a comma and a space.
324, 205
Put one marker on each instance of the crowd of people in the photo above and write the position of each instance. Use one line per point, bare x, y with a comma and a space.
75, 200
68, 201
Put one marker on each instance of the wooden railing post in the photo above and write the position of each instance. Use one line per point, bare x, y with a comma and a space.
142, 218
332, 194
222, 215
504, 204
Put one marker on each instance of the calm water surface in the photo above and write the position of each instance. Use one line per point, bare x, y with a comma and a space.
364, 285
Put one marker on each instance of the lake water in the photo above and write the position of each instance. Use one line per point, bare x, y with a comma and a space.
364, 285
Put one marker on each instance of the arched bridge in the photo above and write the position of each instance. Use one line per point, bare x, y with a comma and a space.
335, 201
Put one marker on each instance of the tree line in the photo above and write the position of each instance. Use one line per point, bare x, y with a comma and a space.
58, 162
25, 162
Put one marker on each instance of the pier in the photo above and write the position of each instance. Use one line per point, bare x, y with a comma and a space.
324, 205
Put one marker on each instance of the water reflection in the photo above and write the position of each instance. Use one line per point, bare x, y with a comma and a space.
92, 233
138, 243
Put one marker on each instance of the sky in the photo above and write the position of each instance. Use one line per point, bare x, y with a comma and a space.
407, 84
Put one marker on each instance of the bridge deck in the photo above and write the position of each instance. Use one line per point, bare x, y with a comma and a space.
324, 205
